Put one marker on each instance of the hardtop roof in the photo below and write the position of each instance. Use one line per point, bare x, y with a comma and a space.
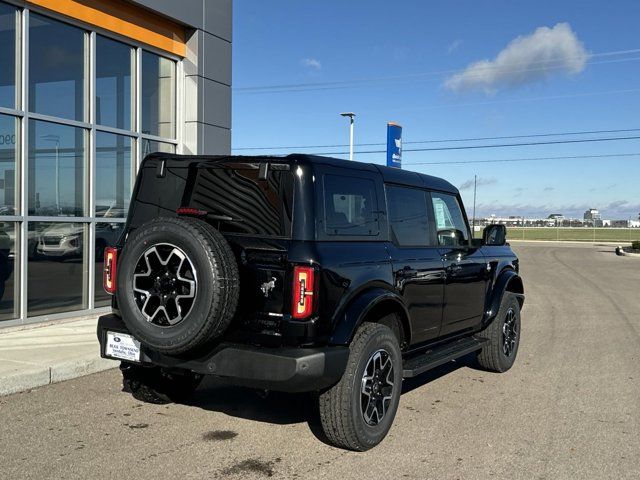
389, 174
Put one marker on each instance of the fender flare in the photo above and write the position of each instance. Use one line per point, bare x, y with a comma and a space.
510, 281
356, 312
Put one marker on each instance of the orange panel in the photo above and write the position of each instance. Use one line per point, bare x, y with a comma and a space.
124, 19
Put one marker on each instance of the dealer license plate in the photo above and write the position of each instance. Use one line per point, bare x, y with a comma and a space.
122, 346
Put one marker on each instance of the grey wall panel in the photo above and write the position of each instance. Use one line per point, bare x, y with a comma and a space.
218, 17
214, 140
189, 12
216, 108
216, 57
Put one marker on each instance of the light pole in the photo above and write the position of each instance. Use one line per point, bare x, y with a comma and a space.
351, 116
56, 139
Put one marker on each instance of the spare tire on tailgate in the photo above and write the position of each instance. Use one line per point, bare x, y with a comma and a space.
177, 284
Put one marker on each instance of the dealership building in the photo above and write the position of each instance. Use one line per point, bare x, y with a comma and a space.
87, 89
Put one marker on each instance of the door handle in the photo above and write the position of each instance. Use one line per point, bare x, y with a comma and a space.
453, 268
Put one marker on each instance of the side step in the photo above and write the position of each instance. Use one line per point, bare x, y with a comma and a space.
435, 357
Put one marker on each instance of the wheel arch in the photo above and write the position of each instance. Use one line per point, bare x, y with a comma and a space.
507, 281
371, 306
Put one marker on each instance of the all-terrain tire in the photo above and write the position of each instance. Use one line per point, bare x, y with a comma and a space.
215, 272
154, 385
341, 406
496, 355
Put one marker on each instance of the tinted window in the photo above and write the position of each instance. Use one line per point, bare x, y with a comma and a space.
407, 208
113, 83
350, 206
114, 154
239, 201
56, 68
158, 95
9, 144
8, 57
56, 169
450, 223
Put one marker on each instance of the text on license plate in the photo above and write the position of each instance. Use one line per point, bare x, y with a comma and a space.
123, 346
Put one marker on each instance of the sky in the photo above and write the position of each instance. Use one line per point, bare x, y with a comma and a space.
453, 70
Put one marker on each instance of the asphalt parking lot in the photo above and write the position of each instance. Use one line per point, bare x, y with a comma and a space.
570, 407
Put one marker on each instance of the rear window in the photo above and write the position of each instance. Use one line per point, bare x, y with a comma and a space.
243, 203
350, 206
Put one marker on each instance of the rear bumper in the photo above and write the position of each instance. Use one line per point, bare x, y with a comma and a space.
278, 369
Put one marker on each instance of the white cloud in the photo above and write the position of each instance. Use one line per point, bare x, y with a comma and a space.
311, 63
526, 59
453, 46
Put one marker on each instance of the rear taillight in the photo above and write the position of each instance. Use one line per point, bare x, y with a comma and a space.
109, 274
303, 287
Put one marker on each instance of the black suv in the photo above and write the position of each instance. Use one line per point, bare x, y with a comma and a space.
304, 274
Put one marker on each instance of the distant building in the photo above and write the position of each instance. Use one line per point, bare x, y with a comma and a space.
593, 217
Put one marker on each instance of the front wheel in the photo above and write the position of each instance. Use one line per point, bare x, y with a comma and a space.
503, 335
358, 411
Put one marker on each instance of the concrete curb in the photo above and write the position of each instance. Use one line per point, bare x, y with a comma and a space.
35, 357
23, 379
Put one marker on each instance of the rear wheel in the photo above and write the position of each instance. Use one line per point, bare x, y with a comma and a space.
503, 335
358, 411
154, 385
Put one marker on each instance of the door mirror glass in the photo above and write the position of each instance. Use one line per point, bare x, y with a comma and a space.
495, 235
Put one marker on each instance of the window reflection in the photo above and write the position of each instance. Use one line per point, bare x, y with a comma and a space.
8, 19
56, 268
107, 234
56, 169
8, 165
158, 95
113, 174
8, 263
56, 68
113, 83
151, 146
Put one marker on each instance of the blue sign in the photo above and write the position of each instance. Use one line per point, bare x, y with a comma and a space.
394, 145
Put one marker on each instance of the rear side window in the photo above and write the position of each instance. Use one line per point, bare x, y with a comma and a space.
408, 219
450, 224
350, 206
241, 202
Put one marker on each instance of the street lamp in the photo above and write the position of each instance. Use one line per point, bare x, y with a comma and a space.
351, 116
56, 139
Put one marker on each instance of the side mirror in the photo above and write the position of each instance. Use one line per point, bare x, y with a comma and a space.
495, 235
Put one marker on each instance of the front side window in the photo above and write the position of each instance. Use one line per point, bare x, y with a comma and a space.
450, 223
350, 206
8, 19
158, 95
56, 68
408, 216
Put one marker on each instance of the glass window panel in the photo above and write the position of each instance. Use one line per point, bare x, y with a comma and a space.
450, 223
408, 216
107, 235
56, 169
350, 206
9, 146
113, 174
56, 268
8, 20
113, 83
8, 275
158, 95
151, 146
56, 68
